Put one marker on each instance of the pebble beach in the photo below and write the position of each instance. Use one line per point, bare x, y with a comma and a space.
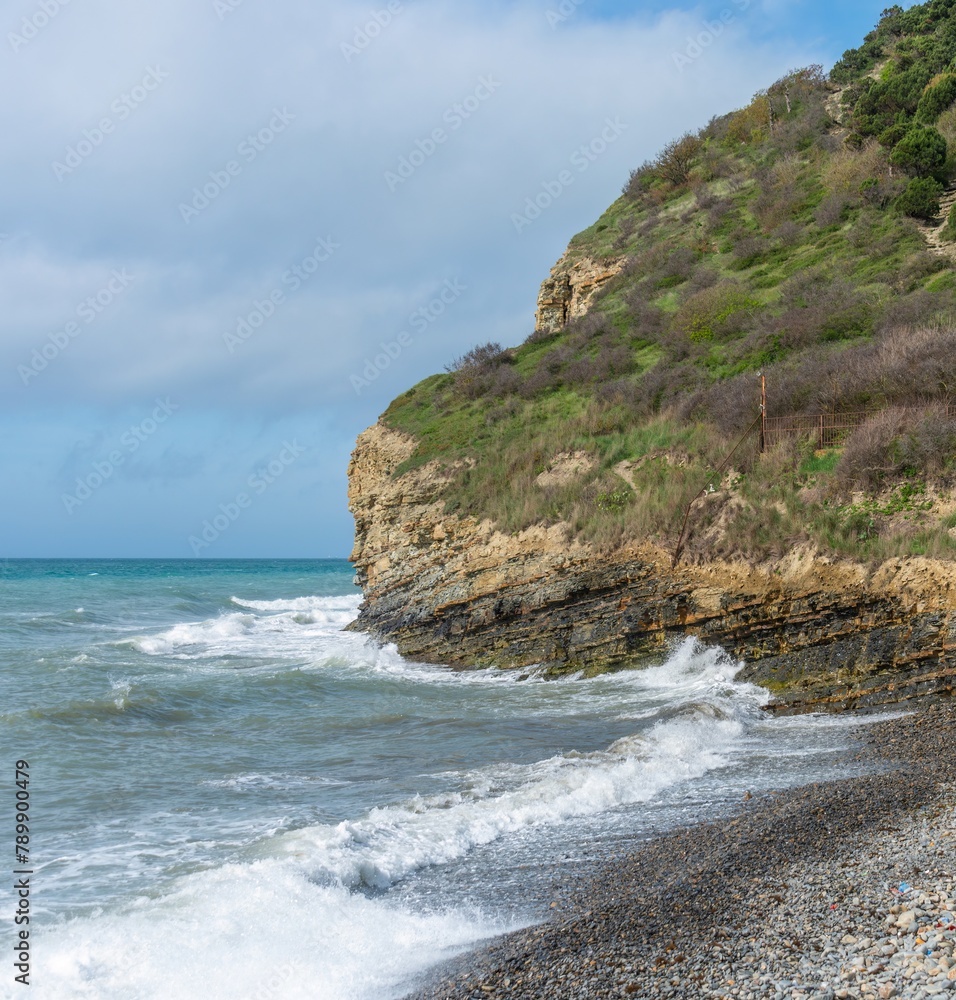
832, 890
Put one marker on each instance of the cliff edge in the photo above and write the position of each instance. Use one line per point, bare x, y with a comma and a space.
821, 635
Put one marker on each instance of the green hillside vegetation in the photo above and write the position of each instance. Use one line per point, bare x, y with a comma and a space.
784, 239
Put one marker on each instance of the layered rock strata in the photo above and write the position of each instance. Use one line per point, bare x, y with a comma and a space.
569, 289
455, 590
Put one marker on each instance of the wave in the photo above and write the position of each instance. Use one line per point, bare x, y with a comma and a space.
690, 739
249, 782
291, 628
305, 633
205, 934
120, 704
254, 930
316, 605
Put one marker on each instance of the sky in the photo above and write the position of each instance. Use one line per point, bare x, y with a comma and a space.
231, 231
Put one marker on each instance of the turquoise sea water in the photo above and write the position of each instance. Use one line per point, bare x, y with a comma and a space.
233, 797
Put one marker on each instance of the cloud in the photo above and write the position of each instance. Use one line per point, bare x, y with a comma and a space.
284, 132
179, 170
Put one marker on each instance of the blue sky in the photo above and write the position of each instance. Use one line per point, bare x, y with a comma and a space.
217, 214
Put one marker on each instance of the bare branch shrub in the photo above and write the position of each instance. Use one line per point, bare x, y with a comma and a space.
789, 233
620, 392
897, 442
478, 356
830, 211
474, 371
675, 160
640, 181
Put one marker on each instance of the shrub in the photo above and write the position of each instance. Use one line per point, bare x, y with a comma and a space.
831, 210
848, 170
620, 392
946, 125
897, 443
921, 309
949, 233
752, 124
903, 364
640, 181
677, 268
609, 363
854, 62
473, 371
750, 250
715, 313
626, 228
477, 357
614, 500
921, 198
880, 191
922, 151
776, 205
866, 461
789, 233
889, 137
936, 99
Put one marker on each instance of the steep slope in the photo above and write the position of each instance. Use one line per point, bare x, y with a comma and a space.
527, 505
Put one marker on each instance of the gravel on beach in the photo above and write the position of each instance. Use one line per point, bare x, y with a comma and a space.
837, 889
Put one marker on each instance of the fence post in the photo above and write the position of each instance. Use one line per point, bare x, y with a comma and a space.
820, 434
763, 412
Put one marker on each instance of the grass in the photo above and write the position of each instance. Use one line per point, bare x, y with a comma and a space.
820, 462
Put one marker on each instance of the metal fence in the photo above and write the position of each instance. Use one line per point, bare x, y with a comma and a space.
827, 430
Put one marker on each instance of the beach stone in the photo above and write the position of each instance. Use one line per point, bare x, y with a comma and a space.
765, 904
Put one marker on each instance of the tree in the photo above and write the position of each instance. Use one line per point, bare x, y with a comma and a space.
921, 198
922, 151
752, 123
674, 161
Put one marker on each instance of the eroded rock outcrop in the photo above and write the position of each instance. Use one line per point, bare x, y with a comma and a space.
568, 291
455, 590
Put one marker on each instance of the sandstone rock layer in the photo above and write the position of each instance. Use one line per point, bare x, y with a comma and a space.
568, 291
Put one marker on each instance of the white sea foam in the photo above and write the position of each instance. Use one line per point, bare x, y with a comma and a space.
310, 633
248, 782
293, 628
249, 932
121, 691
317, 605
393, 841
287, 922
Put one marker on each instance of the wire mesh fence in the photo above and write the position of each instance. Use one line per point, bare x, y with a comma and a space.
826, 430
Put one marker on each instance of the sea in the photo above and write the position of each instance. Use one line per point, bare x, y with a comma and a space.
232, 796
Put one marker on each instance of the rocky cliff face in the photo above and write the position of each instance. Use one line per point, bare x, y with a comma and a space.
569, 289
453, 590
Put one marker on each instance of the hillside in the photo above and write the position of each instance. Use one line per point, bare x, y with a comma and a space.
605, 489
789, 237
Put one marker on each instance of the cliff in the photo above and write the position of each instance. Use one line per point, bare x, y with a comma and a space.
523, 507
456, 590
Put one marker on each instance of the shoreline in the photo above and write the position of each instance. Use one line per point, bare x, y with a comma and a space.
796, 895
